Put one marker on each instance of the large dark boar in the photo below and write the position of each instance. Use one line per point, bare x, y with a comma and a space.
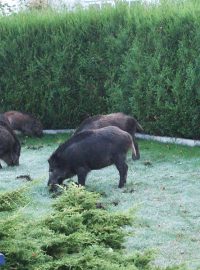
25, 123
90, 150
9, 145
120, 120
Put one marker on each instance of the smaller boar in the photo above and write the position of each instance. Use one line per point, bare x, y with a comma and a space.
90, 150
25, 123
9, 145
120, 120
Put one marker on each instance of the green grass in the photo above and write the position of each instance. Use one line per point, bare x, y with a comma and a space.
46, 140
162, 191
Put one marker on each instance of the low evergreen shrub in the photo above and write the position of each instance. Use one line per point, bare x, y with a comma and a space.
76, 235
11, 200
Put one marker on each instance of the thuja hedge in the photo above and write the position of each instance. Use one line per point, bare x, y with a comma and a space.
144, 61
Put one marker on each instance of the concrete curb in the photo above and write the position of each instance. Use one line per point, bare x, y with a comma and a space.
172, 140
57, 131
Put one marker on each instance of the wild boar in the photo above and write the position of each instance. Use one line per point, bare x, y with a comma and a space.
90, 150
4, 119
25, 123
120, 120
10, 147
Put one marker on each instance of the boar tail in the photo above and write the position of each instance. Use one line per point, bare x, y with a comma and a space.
139, 127
133, 149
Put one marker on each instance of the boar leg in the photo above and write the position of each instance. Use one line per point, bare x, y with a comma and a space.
0, 166
82, 173
27, 132
122, 168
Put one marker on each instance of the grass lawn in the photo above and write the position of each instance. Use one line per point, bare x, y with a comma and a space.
162, 189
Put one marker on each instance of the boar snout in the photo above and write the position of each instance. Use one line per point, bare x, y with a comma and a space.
12, 163
54, 180
15, 160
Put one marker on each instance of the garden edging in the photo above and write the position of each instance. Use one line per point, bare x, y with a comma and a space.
188, 142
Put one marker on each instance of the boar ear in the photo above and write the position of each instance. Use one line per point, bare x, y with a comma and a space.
55, 160
51, 160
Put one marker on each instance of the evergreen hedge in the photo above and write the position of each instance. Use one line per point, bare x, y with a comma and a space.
142, 60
